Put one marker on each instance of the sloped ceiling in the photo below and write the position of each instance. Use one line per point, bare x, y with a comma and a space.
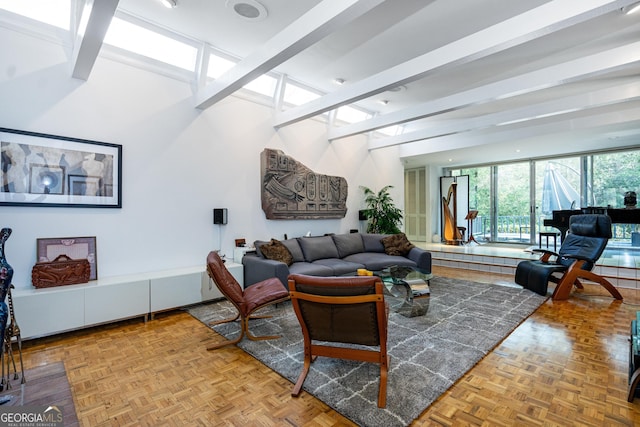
472, 81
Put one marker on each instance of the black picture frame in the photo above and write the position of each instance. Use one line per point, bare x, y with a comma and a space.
57, 171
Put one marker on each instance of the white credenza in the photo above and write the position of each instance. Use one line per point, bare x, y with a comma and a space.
47, 311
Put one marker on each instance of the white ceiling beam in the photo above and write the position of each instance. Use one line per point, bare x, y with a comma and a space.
313, 26
541, 21
94, 22
573, 71
599, 119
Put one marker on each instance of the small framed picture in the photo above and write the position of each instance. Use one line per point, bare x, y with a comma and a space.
74, 247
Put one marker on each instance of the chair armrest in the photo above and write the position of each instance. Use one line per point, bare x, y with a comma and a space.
257, 269
421, 257
546, 254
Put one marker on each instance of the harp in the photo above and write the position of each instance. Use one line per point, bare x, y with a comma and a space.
452, 235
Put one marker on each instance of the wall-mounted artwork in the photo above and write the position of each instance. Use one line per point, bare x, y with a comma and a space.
290, 190
50, 170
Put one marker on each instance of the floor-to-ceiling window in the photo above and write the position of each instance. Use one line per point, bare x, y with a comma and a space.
514, 199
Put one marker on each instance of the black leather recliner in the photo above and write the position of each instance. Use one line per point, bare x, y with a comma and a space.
583, 246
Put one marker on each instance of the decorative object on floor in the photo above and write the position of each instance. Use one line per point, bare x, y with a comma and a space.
246, 302
381, 213
6, 275
341, 310
428, 353
12, 331
581, 248
51, 170
75, 248
290, 190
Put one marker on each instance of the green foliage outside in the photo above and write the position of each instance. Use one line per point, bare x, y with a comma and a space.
382, 214
613, 174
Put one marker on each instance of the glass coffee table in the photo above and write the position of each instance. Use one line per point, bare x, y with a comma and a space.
406, 289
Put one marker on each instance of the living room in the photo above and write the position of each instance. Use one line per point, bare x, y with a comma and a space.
180, 162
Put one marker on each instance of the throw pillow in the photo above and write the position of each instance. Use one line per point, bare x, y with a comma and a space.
275, 250
397, 244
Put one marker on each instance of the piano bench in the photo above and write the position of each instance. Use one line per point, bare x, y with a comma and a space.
548, 234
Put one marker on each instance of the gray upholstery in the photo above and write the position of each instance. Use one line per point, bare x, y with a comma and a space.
336, 255
348, 244
373, 242
315, 248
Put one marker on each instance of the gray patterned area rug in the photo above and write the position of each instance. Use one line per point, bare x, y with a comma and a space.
464, 322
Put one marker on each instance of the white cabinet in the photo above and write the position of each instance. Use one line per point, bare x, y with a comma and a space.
47, 311
114, 301
42, 312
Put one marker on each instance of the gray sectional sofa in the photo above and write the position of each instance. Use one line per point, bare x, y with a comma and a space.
331, 255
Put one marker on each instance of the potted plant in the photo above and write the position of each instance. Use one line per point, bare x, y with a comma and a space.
382, 215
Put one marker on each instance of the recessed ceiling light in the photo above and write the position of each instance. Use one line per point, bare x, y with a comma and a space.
169, 4
383, 101
251, 10
338, 81
400, 88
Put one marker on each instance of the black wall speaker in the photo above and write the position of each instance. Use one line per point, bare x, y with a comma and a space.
362, 216
220, 216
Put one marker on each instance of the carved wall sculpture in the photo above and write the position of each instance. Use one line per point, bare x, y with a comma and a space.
290, 190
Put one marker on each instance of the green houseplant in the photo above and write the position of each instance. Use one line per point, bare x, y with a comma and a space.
382, 215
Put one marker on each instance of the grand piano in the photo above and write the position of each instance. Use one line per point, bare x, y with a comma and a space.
560, 219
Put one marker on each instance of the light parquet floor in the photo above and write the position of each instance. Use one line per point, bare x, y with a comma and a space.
565, 365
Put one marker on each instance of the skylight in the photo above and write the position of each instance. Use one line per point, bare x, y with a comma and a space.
52, 12
264, 85
296, 95
351, 115
131, 37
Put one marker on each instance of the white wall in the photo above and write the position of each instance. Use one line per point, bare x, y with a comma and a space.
178, 162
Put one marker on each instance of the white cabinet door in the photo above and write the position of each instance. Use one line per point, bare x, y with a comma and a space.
44, 312
104, 303
175, 291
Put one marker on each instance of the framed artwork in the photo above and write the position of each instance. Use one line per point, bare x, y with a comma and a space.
73, 247
50, 170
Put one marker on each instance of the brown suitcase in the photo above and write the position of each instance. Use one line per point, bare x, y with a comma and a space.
61, 271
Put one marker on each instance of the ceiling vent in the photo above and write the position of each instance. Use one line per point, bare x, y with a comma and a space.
249, 10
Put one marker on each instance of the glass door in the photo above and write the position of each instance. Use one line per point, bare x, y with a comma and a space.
512, 208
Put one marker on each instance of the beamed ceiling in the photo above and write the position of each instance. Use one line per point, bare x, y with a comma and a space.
471, 81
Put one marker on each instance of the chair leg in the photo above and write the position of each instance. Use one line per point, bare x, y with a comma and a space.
382, 393
227, 342
219, 322
572, 277
303, 375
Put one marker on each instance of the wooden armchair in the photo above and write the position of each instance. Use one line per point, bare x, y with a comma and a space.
255, 297
348, 310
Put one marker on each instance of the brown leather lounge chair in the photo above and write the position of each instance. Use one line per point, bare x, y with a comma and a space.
255, 297
348, 310
583, 246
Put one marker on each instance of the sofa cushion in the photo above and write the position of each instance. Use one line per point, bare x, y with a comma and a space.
320, 247
376, 261
276, 251
348, 244
294, 249
373, 243
310, 269
397, 244
339, 266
